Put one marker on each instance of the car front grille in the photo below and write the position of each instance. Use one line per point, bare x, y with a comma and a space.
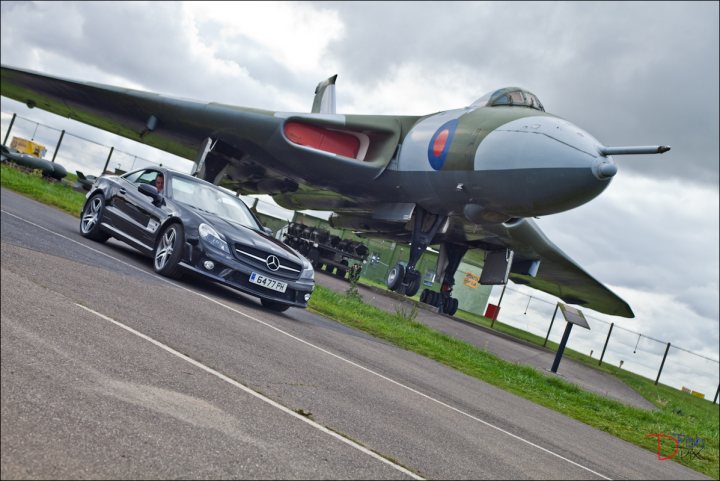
257, 258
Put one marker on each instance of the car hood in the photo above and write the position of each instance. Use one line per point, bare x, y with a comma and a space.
237, 233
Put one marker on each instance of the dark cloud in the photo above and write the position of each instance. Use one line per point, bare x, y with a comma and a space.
629, 73
147, 45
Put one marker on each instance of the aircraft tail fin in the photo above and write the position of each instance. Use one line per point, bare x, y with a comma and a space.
324, 102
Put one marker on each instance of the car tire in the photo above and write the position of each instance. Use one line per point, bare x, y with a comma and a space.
168, 250
273, 305
91, 217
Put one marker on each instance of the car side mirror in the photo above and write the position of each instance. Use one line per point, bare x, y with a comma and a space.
268, 231
150, 191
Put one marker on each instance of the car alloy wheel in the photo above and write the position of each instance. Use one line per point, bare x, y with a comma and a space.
168, 250
91, 217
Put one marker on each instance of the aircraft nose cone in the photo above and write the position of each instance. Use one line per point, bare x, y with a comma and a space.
542, 165
604, 168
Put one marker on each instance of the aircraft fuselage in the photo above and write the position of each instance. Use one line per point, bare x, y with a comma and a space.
489, 164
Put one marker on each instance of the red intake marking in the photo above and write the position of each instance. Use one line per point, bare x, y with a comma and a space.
439, 144
320, 138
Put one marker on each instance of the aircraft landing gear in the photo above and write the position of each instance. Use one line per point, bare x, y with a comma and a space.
406, 279
451, 254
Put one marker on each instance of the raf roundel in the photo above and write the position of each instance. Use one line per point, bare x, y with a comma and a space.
440, 142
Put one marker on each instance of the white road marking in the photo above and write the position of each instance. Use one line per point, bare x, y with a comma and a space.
252, 392
490, 425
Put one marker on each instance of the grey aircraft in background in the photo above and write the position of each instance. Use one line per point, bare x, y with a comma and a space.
468, 179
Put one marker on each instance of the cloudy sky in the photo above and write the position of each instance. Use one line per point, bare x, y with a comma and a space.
629, 73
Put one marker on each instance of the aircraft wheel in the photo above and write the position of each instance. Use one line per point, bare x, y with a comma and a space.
450, 306
413, 284
431, 297
395, 277
91, 217
424, 296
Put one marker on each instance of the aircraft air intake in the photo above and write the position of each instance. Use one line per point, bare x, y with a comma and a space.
321, 138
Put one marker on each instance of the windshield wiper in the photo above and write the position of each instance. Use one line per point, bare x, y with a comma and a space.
198, 208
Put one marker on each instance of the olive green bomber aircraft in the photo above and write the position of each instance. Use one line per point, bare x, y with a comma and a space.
468, 178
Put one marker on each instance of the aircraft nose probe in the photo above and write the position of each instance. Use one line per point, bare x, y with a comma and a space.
606, 169
645, 149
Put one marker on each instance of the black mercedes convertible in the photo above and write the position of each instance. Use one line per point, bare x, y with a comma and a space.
185, 223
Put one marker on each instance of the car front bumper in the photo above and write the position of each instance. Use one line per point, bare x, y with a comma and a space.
231, 272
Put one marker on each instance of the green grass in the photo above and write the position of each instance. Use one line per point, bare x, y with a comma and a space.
658, 394
677, 412
57, 194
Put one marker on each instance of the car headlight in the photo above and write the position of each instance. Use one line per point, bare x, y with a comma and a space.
308, 272
211, 236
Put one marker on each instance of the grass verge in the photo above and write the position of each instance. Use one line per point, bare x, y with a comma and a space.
676, 413
48, 192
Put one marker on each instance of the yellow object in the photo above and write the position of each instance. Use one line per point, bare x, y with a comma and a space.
471, 280
694, 393
25, 146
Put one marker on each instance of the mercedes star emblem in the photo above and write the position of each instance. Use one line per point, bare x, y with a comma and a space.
273, 263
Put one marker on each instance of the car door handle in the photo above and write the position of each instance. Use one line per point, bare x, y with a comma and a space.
122, 191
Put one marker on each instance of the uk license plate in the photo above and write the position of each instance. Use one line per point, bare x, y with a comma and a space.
267, 282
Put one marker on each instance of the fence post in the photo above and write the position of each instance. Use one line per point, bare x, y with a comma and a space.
57, 147
9, 129
551, 323
107, 162
612, 324
561, 348
663, 363
528, 305
716, 394
492, 323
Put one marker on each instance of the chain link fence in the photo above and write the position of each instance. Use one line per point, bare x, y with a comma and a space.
628, 349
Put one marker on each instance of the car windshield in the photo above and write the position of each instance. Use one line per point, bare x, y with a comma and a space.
208, 198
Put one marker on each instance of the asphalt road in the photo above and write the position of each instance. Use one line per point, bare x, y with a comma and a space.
110, 371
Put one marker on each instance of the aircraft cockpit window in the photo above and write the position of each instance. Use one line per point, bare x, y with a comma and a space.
510, 96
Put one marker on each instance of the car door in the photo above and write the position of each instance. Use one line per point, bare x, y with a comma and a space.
139, 218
